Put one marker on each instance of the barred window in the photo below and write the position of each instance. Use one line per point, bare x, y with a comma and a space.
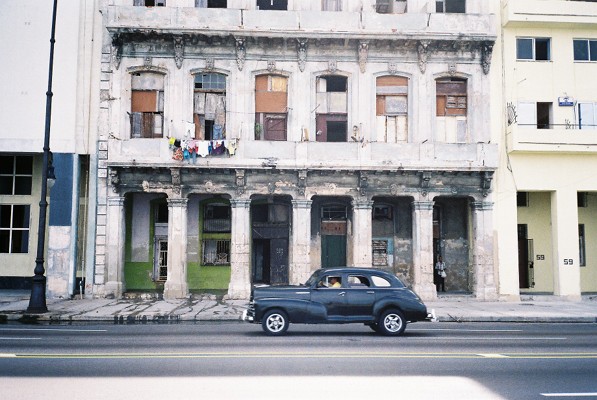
216, 252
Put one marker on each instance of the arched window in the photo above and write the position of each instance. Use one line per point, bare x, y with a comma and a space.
271, 107
147, 105
209, 106
392, 109
451, 110
332, 108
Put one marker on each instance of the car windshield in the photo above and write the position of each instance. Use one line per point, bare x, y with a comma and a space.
314, 278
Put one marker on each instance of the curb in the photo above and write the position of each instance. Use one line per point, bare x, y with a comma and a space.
123, 319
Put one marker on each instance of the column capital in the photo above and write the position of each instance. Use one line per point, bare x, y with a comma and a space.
422, 205
177, 201
116, 201
301, 203
362, 204
482, 205
240, 203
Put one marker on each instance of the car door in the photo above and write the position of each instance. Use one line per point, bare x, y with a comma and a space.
360, 298
332, 298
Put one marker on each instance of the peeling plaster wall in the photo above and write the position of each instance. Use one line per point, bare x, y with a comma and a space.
59, 260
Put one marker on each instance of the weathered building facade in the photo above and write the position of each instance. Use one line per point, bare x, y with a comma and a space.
256, 141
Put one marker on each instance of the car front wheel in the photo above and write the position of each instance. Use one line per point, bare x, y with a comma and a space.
392, 323
275, 322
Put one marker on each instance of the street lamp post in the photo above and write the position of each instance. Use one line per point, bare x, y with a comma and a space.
37, 302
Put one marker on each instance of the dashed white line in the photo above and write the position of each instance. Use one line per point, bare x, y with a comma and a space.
492, 355
594, 394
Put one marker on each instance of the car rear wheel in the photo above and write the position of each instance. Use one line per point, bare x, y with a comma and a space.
275, 322
392, 323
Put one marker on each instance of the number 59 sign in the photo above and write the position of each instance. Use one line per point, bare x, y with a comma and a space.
568, 261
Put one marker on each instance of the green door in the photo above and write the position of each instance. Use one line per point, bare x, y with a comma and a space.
333, 251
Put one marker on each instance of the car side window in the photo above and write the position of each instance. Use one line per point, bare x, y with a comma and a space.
332, 281
380, 282
355, 281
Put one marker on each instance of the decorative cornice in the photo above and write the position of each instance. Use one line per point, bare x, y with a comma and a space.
301, 49
486, 178
393, 67
178, 51
240, 181
363, 54
271, 66
302, 181
425, 179
116, 51
422, 51
332, 66
486, 52
241, 52
114, 180
184, 44
210, 64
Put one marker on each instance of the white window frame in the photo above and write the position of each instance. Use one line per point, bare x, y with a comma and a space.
583, 121
526, 114
534, 48
588, 44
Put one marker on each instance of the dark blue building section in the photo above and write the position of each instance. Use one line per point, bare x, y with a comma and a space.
61, 194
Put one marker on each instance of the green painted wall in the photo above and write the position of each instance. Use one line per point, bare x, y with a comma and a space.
201, 279
138, 275
208, 278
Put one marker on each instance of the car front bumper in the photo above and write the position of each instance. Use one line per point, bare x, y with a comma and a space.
246, 317
431, 316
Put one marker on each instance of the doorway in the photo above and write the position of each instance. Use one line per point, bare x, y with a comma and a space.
334, 217
525, 258
160, 264
270, 231
333, 251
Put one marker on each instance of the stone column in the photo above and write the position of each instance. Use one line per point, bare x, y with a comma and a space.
564, 231
115, 245
483, 266
176, 283
362, 233
300, 263
240, 252
423, 250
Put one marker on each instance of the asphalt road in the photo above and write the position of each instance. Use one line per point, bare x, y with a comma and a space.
237, 361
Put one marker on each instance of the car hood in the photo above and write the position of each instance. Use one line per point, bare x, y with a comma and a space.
261, 291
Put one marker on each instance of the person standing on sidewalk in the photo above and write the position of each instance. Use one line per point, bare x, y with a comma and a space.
440, 274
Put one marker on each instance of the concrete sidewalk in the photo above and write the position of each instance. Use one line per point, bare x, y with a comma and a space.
13, 306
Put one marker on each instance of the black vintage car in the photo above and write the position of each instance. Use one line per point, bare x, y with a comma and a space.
338, 296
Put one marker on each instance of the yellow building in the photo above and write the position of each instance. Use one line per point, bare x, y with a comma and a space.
546, 196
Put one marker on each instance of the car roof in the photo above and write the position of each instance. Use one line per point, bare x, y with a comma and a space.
362, 270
